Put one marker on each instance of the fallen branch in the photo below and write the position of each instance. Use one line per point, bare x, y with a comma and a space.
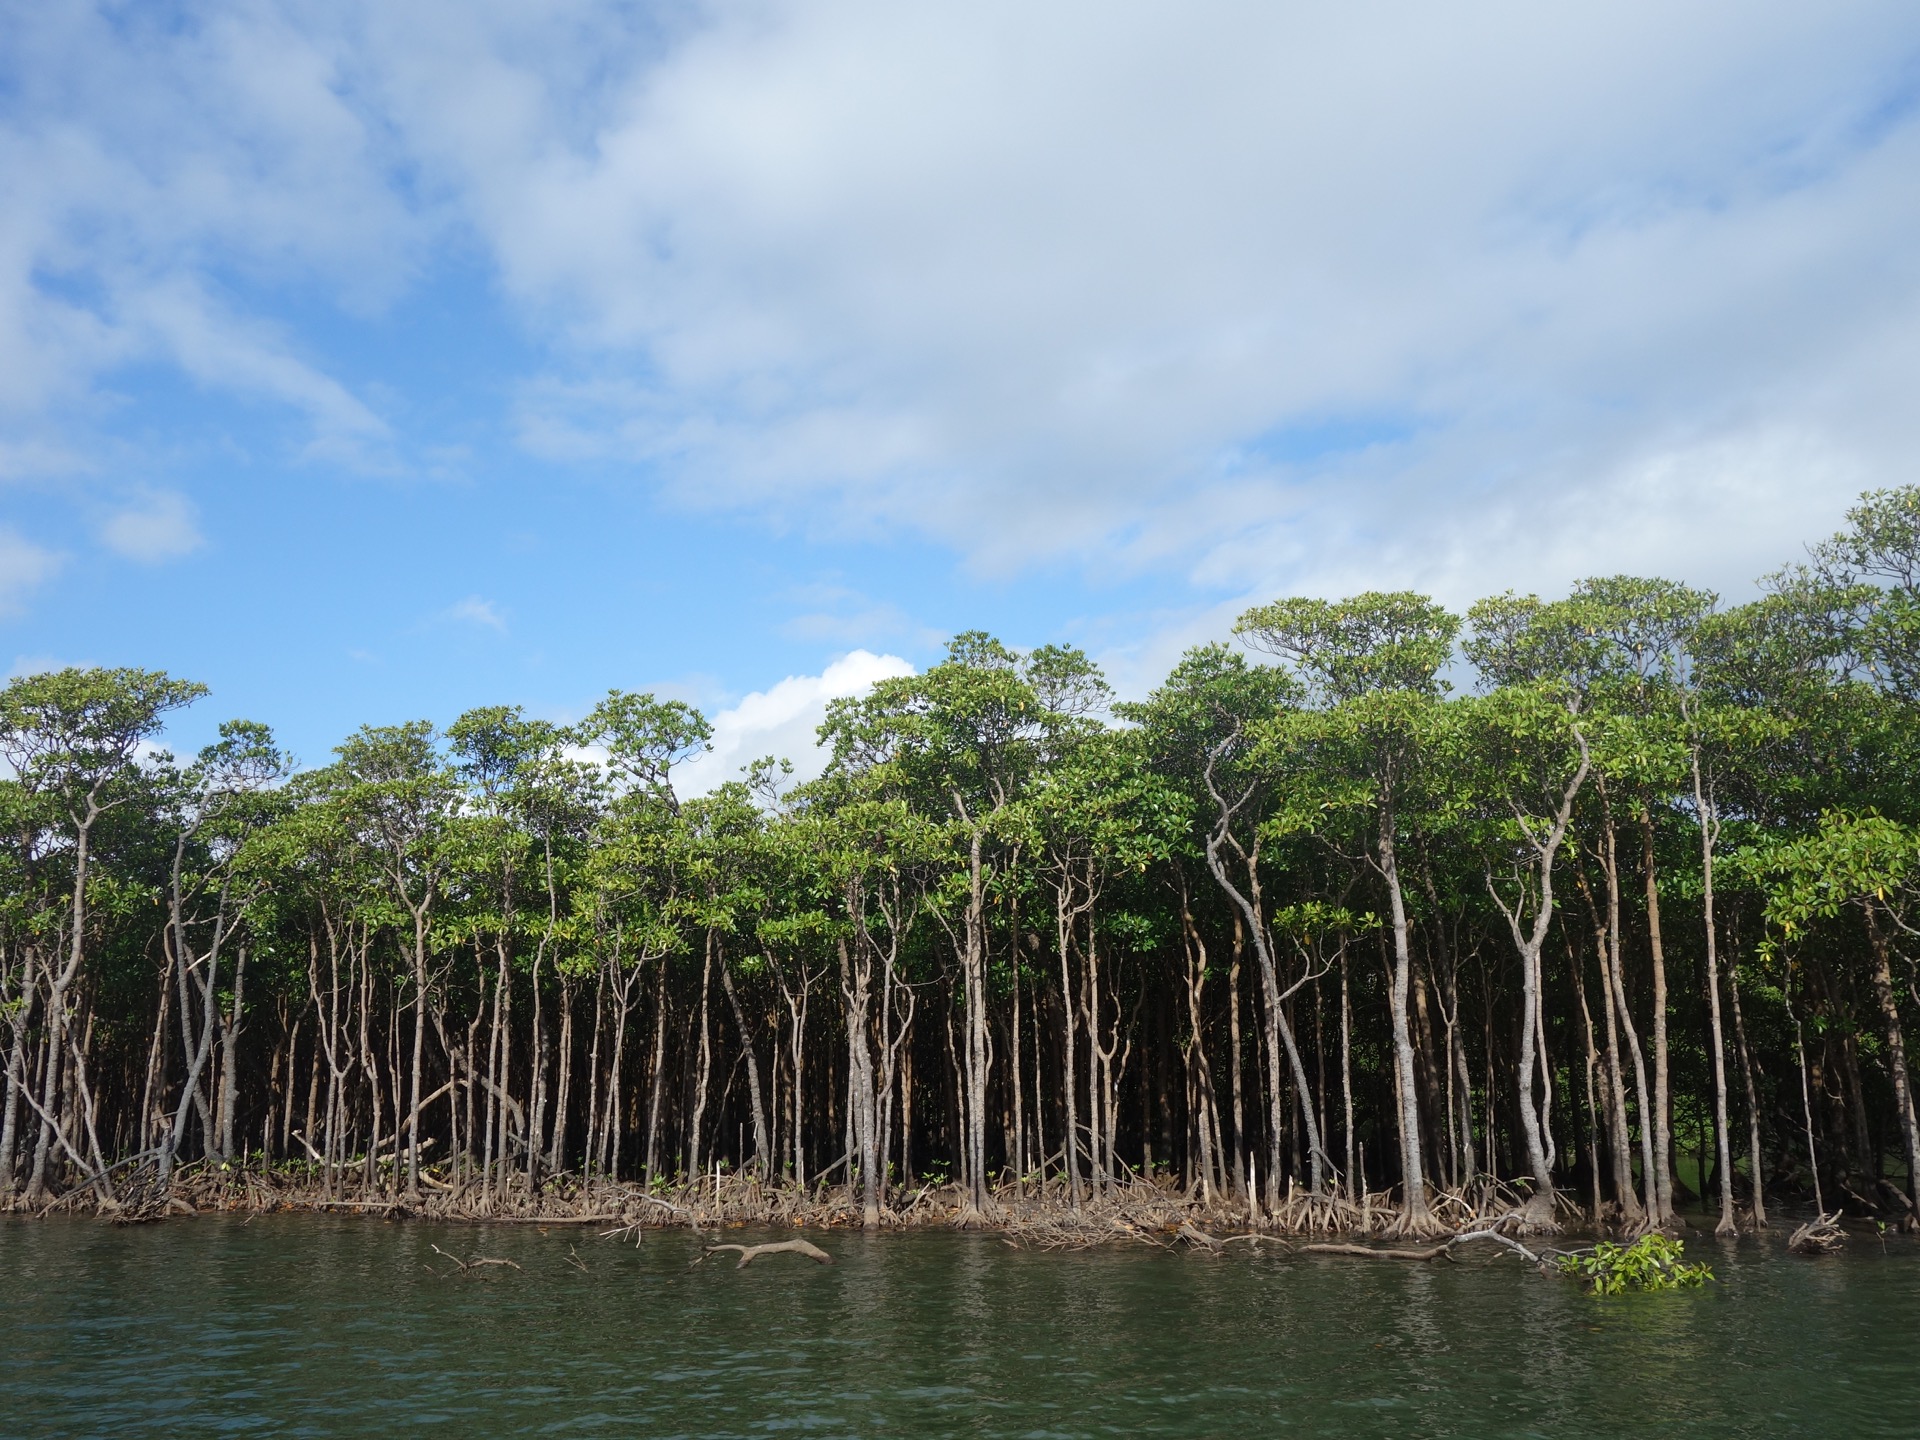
750, 1253
477, 1262
1256, 1241
1821, 1235
1499, 1239
1369, 1252
1431, 1252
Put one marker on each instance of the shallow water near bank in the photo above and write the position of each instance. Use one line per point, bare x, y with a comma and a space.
305, 1325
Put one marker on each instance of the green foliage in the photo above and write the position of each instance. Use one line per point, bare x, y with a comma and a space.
1653, 1262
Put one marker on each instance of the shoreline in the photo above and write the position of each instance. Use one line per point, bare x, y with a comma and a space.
1026, 1215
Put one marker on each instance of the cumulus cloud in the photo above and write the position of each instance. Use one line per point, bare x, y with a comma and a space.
782, 720
157, 526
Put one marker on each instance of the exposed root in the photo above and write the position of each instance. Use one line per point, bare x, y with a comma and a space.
1417, 1224
1125, 1209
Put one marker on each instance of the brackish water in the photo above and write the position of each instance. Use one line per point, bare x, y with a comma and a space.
314, 1326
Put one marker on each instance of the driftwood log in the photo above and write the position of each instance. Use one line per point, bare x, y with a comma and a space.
750, 1253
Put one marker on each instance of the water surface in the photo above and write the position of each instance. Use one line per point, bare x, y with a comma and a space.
312, 1326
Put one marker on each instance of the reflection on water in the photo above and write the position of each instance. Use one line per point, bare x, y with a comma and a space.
310, 1326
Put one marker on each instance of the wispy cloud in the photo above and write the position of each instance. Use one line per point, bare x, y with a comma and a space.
24, 568
844, 616
475, 611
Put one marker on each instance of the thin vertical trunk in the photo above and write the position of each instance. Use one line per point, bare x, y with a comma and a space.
1661, 1191
1896, 1059
1415, 1217
229, 1054
1346, 1077
21, 1020
1709, 833
761, 1145
1755, 1160
1194, 1052
1070, 1146
656, 1074
1238, 1063
419, 1051
557, 1155
1806, 1101
1619, 1009
856, 990
696, 1155
1595, 1124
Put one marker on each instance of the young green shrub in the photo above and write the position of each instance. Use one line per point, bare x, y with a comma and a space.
1653, 1262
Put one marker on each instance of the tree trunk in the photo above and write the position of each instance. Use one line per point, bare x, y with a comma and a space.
1661, 1190
761, 1147
1416, 1217
1755, 1160
1723, 1150
1896, 1059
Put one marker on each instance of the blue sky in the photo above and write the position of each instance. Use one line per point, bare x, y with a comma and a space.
372, 362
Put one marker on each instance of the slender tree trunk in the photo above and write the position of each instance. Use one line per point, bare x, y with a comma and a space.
1238, 1063
656, 1073
1755, 1157
856, 989
1896, 1060
1595, 1123
22, 1020
229, 1055
1070, 1147
696, 1156
1709, 832
1346, 1078
419, 1051
557, 1155
761, 1146
1416, 1217
1661, 1190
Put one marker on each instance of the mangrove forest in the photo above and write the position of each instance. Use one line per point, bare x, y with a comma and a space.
1600, 908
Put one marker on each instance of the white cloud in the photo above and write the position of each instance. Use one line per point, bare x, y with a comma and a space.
159, 171
782, 721
475, 611
1266, 291
24, 567
159, 525
1275, 295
